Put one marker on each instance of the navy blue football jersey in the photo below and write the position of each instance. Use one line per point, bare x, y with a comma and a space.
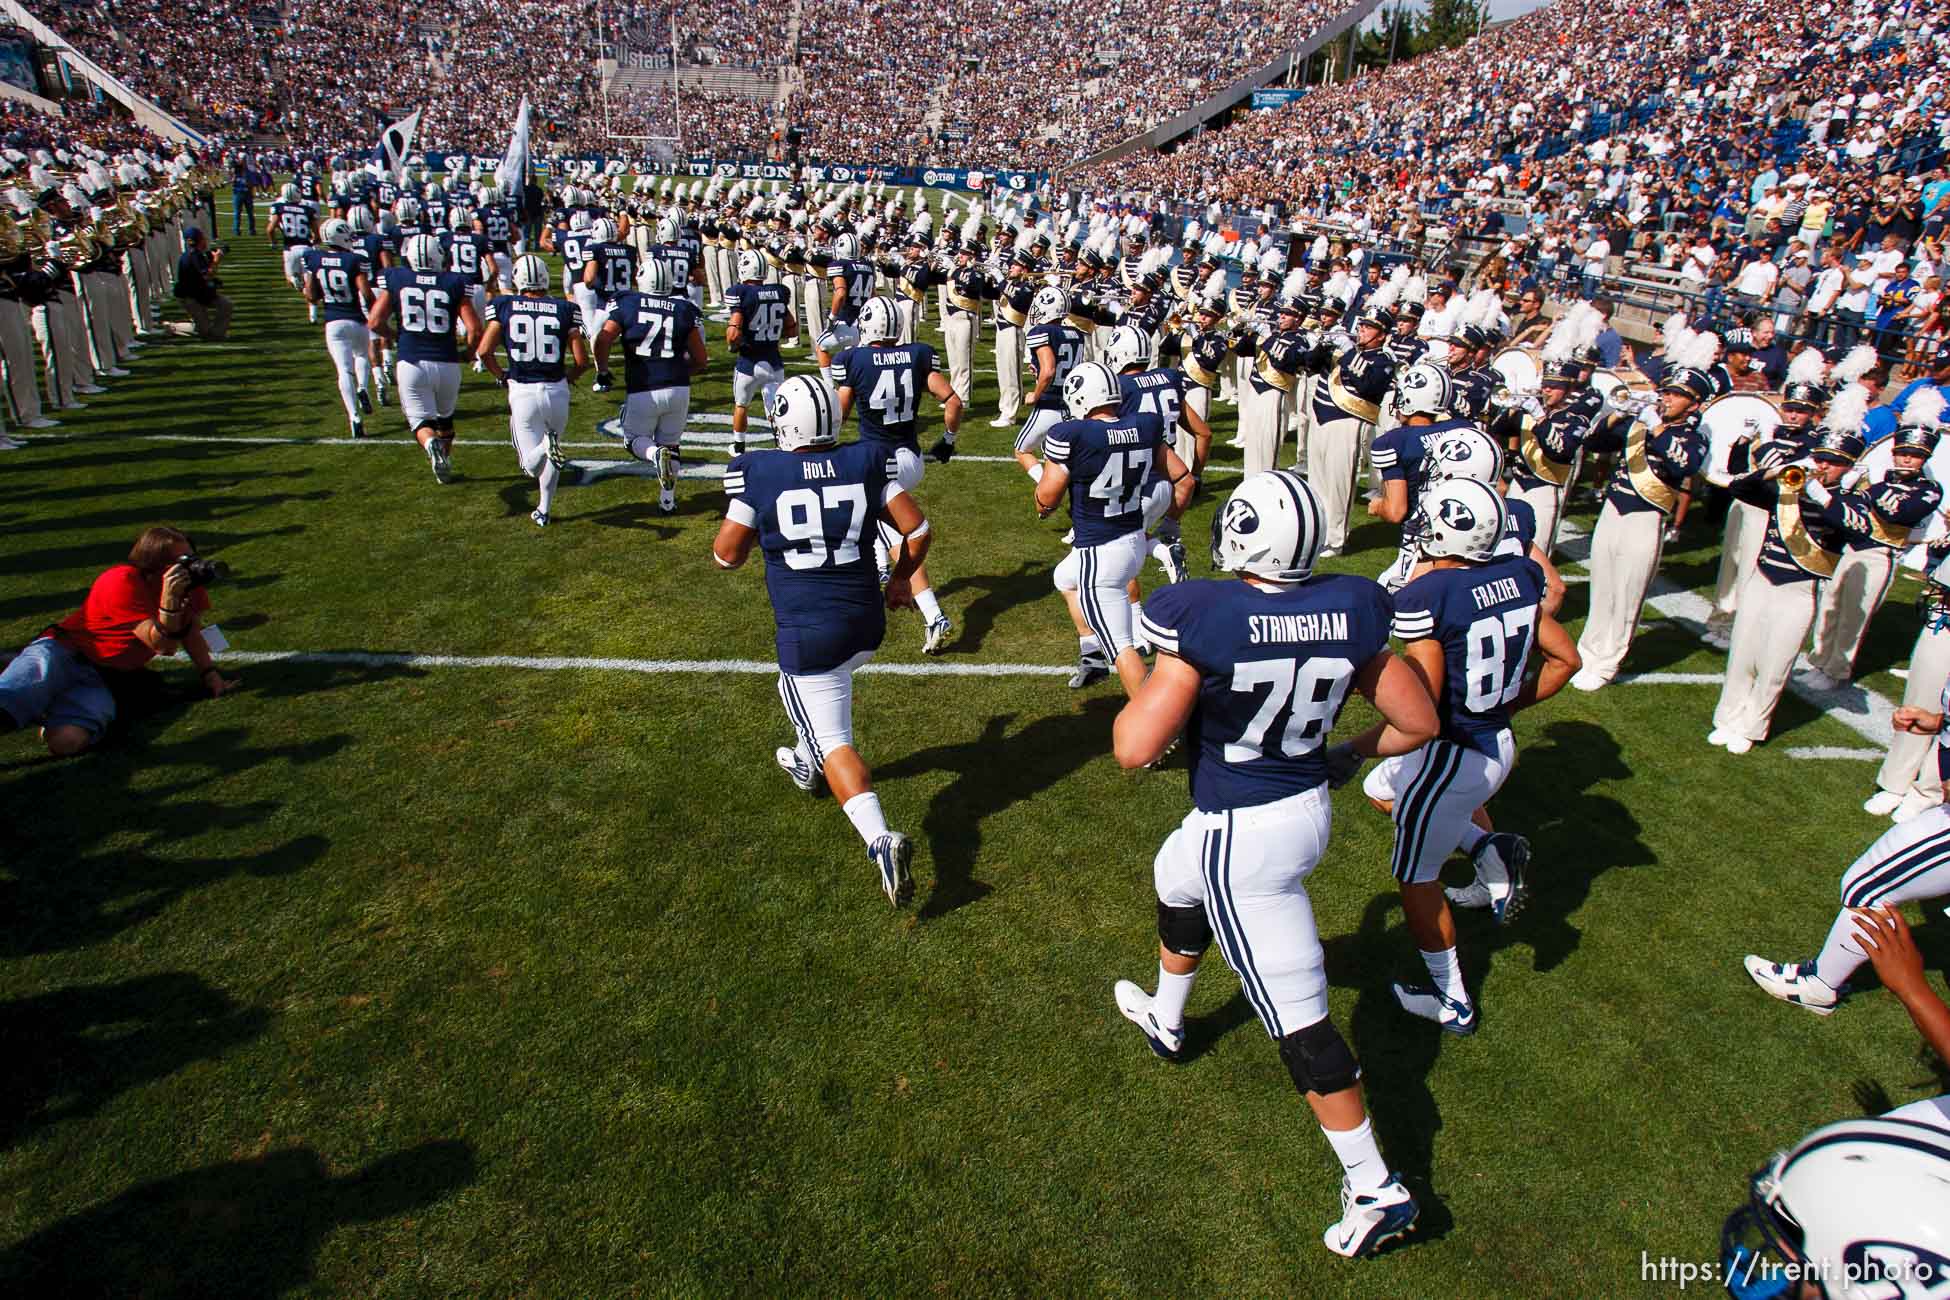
1066, 342
1111, 465
436, 209
337, 272
535, 332
615, 268
294, 222
679, 258
499, 226
1161, 392
574, 247
1485, 617
1274, 667
887, 382
1521, 532
469, 254
387, 190
858, 279
657, 334
814, 513
381, 244
693, 249
427, 306
765, 308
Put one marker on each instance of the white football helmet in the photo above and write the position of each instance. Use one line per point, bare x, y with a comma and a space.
845, 248
578, 220
1462, 453
751, 265
667, 230
490, 195
459, 218
805, 413
336, 233
1089, 386
289, 193
1269, 527
531, 274
359, 219
1049, 304
1865, 1203
654, 278
602, 231
1127, 346
407, 209
423, 253
1457, 518
1423, 389
880, 320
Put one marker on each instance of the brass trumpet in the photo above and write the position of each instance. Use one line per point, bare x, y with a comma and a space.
1793, 477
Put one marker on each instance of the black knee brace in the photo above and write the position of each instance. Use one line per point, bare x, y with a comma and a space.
1319, 1059
1184, 930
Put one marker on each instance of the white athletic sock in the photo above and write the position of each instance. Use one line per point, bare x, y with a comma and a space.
548, 478
929, 604
1841, 955
1138, 639
1472, 836
1161, 552
863, 810
1036, 472
1087, 646
882, 559
364, 365
643, 447
1446, 972
1169, 1001
1360, 1156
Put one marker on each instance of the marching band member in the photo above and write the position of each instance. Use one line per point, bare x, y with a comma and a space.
1346, 404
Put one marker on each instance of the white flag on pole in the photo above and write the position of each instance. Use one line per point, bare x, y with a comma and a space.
397, 141
513, 171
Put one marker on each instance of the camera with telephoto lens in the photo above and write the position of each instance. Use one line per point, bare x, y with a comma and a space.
202, 572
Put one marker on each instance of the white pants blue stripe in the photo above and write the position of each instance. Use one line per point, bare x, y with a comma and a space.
1248, 868
1435, 790
820, 706
1100, 576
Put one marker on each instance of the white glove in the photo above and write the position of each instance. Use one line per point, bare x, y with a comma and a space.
1816, 491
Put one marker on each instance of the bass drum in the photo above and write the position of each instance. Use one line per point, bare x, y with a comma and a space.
1519, 369
1727, 419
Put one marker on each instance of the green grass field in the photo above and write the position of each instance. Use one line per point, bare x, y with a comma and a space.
400, 980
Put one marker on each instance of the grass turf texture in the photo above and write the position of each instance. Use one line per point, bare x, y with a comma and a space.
400, 982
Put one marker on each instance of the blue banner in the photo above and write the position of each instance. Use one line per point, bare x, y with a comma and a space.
1279, 97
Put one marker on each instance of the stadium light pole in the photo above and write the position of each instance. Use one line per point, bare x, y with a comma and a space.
676, 101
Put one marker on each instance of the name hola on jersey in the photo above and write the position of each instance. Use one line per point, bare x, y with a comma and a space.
1495, 593
1329, 625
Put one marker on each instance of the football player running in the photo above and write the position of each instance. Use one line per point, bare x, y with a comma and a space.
1253, 670
540, 332
807, 506
421, 305
609, 272
290, 227
1106, 462
1161, 391
852, 281
886, 379
336, 278
665, 353
1906, 864
1467, 625
1056, 347
761, 318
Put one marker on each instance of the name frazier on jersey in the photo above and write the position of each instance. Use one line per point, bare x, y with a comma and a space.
1329, 625
1496, 592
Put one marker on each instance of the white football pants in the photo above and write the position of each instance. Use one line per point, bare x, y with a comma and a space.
348, 341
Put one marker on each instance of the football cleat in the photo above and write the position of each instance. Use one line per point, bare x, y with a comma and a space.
667, 479
10, 444
1475, 895
365, 402
1430, 1003
1090, 668
1174, 562
1369, 1220
943, 451
1793, 982
797, 766
379, 394
443, 466
89, 389
737, 446
1500, 861
1135, 1003
938, 633
42, 422
1817, 680
539, 517
1882, 803
892, 854
358, 428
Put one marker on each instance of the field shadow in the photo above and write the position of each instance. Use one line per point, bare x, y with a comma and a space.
175, 483
995, 771
242, 1228
72, 1051
1000, 593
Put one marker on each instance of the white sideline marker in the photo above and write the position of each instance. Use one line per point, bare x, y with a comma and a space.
559, 663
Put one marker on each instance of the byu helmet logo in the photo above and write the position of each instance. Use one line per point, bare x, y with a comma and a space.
1453, 449
1455, 514
1241, 517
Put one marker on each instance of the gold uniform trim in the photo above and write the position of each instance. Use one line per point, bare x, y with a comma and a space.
1538, 459
1804, 550
1348, 400
1272, 374
1648, 485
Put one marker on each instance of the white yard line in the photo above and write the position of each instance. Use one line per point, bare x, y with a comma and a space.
557, 663
1833, 751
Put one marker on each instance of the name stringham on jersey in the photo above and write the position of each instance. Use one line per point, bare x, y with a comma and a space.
1495, 592
1328, 625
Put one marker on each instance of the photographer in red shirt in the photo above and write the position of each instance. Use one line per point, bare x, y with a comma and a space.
92, 665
